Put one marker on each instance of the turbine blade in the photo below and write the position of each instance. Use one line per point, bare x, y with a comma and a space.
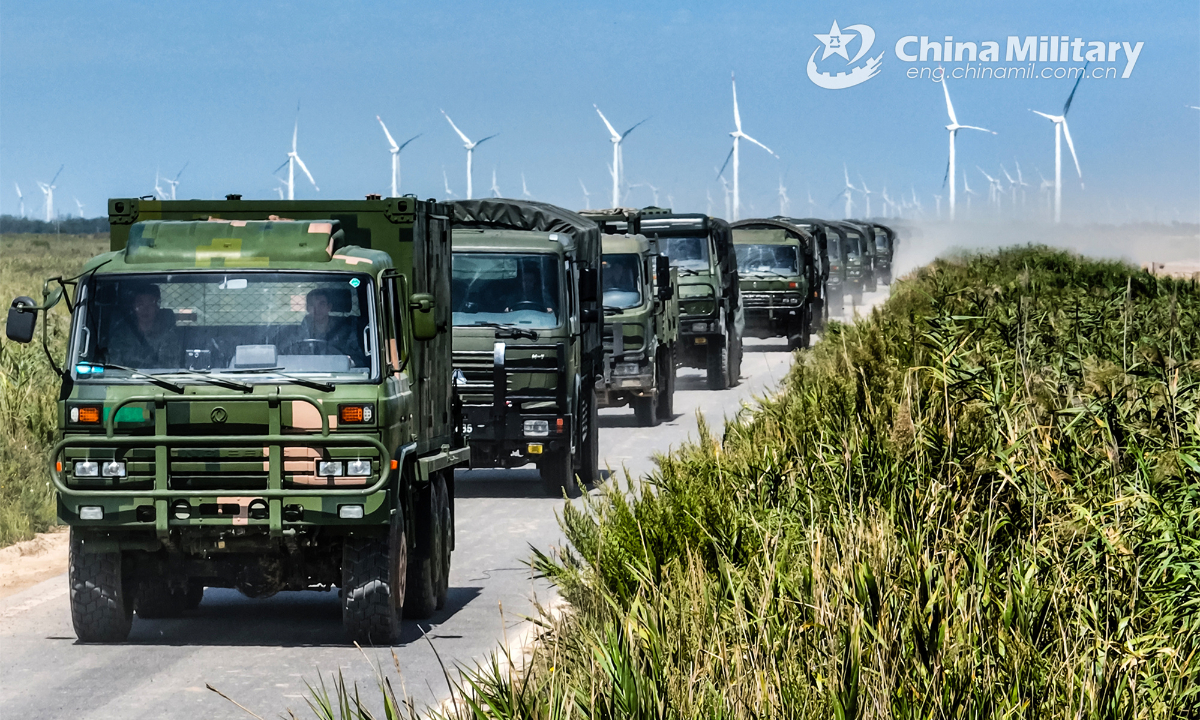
726, 163
296, 128
1067, 105
946, 178
1048, 117
607, 124
972, 127
465, 139
949, 105
285, 162
406, 142
189, 162
60, 169
737, 117
1071, 145
306, 172
489, 137
391, 141
624, 134
764, 147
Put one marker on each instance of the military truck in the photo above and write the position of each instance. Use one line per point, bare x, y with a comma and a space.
527, 344
641, 319
863, 234
257, 395
829, 245
780, 275
858, 265
884, 239
711, 317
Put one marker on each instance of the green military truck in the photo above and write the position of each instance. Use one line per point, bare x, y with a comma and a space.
858, 264
780, 275
527, 343
257, 395
641, 319
864, 235
829, 248
885, 248
711, 317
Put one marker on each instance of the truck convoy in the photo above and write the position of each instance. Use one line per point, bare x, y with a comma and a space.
527, 343
641, 319
780, 274
711, 317
257, 395
829, 248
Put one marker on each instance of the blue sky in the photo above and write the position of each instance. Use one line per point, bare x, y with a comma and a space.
117, 90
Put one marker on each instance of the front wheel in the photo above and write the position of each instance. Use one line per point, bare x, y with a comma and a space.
645, 409
718, 367
101, 601
558, 474
425, 588
589, 442
666, 385
374, 570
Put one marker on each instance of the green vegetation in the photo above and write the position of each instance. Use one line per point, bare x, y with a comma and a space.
982, 501
28, 387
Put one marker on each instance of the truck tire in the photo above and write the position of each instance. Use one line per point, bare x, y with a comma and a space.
589, 460
101, 604
666, 388
374, 570
735, 360
447, 540
425, 565
558, 475
155, 600
718, 367
645, 409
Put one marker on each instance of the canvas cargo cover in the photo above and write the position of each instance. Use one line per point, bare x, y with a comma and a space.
532, 216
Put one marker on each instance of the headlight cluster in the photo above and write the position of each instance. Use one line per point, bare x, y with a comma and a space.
701, 327
105, 468
791, 300
537, 428
626, 369
331, 468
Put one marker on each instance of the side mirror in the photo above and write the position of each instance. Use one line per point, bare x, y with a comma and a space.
588, 285
662, 269
22, 318
591, 315
424, 323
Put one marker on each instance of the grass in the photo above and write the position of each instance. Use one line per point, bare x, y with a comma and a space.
28, 387
979, 502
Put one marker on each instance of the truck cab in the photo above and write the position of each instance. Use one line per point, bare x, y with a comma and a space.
780, 278
711, 318
829, 248
641, 320
885, 245
256, 395
527, 346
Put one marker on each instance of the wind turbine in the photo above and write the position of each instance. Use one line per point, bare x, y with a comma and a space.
395, 150
618, 158
175, 183
1061, 129
954, 127
446, 181
783, 198
495, 187
20, 199
993, 189
812, 204
470, 146
969, 191
587, 196
80, 206
938, 199
1012, 187
293, 159
738, 135
887, 203
158, 191
1021, 182
708, 206
728, 195
48, 191
866, 192
848, 192
524, 189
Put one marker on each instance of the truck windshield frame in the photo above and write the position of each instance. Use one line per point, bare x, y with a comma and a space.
771, 258
688, 252
313, 324
622, 279
522, 289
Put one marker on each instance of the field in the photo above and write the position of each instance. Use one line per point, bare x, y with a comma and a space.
28, 387
981, 501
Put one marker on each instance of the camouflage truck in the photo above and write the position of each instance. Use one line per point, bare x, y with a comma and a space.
641, 319
884, 239
830, 248
780, 275
527, 344
257, 395
864, 234
711, 317
858, 263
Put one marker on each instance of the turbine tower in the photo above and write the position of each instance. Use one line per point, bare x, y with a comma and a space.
293, 159
446, 182
48, 191
954, 127
525, 189
784, 201
738, 135
848, 191
395, 150
587, 196
20, 199
1061, 129
618, 159
495, 187
470, 146
866, 193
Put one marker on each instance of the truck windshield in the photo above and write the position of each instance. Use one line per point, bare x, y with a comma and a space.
506, 288
881, 241
853, 245
777, 259
622, 280
686, 253
307, 323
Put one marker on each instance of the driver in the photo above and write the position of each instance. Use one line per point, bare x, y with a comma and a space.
147, 337
337, 333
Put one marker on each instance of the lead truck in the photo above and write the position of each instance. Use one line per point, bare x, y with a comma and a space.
257, 395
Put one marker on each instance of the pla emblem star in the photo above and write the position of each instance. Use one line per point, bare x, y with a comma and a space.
835, 42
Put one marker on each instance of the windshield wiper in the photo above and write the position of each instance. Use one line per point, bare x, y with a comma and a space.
509, 331
314, 384
165, 384
205, 377
773, 272
687, 271
613, 310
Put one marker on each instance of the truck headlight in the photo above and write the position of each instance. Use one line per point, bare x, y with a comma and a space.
700, 327
358, 467
327, 468
350, 512
91, 512
792, 300
86, 468
113, 468
537, 428
626, 369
